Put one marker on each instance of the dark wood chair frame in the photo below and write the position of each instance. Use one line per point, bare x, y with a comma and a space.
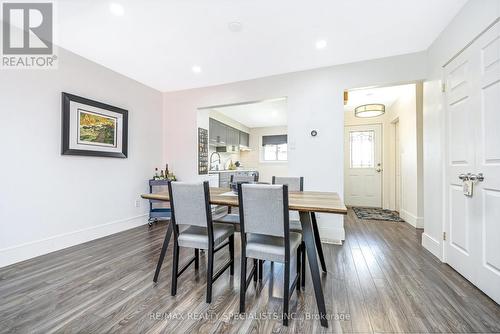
245, 281
211, 278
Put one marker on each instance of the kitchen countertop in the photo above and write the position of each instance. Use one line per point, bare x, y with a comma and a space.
231, 171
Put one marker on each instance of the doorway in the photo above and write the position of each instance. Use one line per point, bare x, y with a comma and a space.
382, 166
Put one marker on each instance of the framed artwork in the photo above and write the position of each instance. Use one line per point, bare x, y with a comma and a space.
93, 128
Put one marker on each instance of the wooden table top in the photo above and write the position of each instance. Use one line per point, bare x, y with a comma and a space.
309, 201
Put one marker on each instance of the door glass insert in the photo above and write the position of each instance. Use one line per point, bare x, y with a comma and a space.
362, 144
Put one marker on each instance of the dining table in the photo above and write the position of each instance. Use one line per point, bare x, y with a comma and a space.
307, 203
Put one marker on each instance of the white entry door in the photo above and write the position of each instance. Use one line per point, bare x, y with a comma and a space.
363, 165
473, 140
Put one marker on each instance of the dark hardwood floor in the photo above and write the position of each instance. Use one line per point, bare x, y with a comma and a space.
380, 280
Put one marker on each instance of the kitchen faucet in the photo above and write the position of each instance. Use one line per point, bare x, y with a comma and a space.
218, 160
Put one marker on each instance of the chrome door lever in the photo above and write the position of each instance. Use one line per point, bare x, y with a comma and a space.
476, 177
464, 177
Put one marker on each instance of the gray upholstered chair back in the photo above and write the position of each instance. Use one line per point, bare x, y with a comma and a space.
294, 183
263, 209
189, 203
244, 178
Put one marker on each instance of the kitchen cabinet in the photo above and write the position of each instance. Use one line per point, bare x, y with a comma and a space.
244, 139
221, 134
217, 133
225, 176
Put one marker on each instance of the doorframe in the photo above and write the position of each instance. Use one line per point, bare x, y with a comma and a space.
382, 194
397, 152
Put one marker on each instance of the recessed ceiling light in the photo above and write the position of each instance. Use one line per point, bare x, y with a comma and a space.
116, 9
321, 44
196, 69
235, 26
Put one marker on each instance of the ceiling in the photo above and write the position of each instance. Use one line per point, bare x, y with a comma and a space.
257, 115
384, 95
162, 43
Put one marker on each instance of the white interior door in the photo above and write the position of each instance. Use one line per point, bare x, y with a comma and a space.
363, 165
473, 117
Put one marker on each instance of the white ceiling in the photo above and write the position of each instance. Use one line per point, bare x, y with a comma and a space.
384, 95
257, 115
157, 42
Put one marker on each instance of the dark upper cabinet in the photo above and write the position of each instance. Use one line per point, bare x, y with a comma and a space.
217, 133
221, 134
244, 139
233, 136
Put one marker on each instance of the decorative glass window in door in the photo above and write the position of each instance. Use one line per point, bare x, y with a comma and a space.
362, 149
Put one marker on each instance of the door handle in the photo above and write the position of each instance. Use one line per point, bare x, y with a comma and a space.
378, 170
476, 177
464, 177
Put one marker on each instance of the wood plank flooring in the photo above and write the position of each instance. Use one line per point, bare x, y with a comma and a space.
380, 280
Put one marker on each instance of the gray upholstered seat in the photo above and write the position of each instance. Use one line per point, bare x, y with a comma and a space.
267, 247
244, 178
231, 218
197, 236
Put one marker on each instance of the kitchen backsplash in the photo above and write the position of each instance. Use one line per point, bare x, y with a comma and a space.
225, 157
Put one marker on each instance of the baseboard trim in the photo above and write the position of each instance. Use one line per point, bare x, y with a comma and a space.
332, 235
25, 251
417, 222
432, 245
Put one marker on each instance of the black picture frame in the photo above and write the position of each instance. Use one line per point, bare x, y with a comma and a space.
65, 127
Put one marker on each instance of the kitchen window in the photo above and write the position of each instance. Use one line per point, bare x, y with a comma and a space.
275, 148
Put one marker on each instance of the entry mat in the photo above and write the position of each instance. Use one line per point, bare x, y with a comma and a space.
377, 214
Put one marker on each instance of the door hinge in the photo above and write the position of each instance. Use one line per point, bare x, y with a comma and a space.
444, 235
443, 87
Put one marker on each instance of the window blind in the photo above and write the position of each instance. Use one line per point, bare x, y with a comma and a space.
274, 140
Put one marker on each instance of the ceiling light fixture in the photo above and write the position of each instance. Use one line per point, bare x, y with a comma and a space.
321, 44
369, 110
196, 69
116, 9
235, 26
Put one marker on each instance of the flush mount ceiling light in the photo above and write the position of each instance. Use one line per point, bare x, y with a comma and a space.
321, 44
369, 110
196, 69
116, 9
235, 26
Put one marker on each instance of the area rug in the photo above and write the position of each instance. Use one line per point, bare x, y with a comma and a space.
377, 214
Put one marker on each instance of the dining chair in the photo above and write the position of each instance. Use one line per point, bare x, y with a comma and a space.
265, 235
296, 183
239, 178
193, 227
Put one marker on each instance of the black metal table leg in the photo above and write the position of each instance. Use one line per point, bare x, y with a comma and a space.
308, 235
163, 251
317, 238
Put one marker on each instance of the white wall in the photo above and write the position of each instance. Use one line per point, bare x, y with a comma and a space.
405, 109
253, 158
315, 101
49, 201
473, 18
